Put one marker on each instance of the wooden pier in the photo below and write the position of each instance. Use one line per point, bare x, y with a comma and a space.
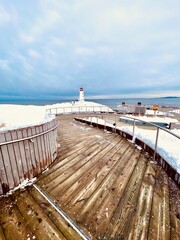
105, 185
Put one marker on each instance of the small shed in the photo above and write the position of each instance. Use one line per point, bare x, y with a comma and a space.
140, 110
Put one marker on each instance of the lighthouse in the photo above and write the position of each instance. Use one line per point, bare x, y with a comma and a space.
81, 95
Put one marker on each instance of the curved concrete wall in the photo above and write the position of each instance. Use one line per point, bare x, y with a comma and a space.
26, 152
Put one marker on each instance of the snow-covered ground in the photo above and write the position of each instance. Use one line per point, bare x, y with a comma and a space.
152, 119
176, 111
168, 145
15, 116
77, 106
158, 113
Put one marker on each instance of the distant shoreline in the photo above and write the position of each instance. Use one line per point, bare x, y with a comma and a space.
162, 101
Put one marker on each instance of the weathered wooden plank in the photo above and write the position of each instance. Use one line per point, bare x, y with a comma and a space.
7, 163
4, 179
18, 156
32, 152
23, 155
51, 142
94, 175
38, 222
80, 168
55, 167
12, 222
27, 154
139, 225
174, 193
100, 193
2, 237
39, 148
127, 204
36, 150
55, 142
60, 223
44, 160
113, 196
13, 160
47, 148
72, 144
1, 189
65, 175
68, 162
160, 219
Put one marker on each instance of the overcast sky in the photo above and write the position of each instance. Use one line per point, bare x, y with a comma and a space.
119, 48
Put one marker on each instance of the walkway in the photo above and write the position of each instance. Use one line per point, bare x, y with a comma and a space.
108, 188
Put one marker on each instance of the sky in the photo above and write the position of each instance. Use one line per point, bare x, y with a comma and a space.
112, 48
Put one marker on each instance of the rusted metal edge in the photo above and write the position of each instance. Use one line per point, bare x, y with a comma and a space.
63, 214
172, 173
30, 137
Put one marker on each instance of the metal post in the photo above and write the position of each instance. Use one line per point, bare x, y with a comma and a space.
134, 123
156, 143
115, 125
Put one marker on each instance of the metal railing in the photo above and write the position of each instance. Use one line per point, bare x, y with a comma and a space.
79, 109
155, 150
157, 131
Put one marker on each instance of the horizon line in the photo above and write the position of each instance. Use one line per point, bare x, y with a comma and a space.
88, 97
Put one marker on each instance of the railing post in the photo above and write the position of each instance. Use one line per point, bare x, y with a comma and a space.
133, 137
156, 143
115, 125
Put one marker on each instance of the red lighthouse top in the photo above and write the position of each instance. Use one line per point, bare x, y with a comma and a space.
81, 89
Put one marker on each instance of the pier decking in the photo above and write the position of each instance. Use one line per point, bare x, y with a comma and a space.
109, 188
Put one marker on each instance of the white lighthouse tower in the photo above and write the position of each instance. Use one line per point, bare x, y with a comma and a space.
81, 95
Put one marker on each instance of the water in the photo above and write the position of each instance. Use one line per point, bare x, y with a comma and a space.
168, 102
